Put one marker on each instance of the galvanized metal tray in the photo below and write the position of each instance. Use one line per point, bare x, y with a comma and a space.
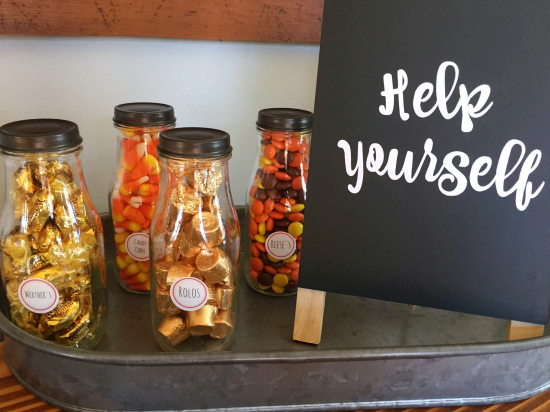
373, 355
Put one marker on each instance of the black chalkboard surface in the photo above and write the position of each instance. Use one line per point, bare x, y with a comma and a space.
429, 181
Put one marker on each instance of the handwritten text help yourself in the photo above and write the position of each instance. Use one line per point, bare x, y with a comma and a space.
526, 164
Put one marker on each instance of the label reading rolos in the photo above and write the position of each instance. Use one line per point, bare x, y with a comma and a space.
280, 245
38, 295
189, 294
137, 246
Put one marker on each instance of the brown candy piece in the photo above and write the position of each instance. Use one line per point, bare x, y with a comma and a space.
36, 212
223, 324
173, 329
201, 322
184, 200
214, 265
165, 304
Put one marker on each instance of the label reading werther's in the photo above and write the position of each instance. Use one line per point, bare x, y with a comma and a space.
38, 295
280, 245
189, 294
137, 246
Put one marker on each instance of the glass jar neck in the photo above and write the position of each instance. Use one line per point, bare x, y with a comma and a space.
293, 133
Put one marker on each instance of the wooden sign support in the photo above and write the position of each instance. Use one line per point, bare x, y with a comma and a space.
310, 309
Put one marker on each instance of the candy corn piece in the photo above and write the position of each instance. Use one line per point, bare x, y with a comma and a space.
134, 215
147, 210
151, 163
148, 190
118, 210
133, 186
131, 158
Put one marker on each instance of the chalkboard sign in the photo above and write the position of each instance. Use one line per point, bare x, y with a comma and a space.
431, 155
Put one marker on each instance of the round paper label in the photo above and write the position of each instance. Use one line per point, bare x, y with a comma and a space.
189, 294
38, 295
137, 246
280, 245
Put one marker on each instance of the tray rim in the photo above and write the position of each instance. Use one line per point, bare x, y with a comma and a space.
298, 356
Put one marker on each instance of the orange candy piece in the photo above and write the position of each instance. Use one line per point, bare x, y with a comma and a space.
282, 208
131, 158
257, 208
282, 176
261, 247
270, 169
296, 217
276, 215
133, 186
296, 160
269, 224
148, 190
262, 218
292, 145
287, 201
297, 183
270, 270
254, 275
134, 215
270, 151
269, 205
118, 210
256, 264
147, 210
253, 227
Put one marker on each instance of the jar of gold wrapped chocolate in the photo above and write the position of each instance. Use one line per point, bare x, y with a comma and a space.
195, 243
51, 240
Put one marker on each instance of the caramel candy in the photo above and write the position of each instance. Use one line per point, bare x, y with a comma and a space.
161, 272
165, 304
224, 296
17, 246
36, 212
204, 231
223, 325
77, 202
78, 331
61, 172
37, 262
178, 271
201, 322
24, 180
215, 266
179, 169
41, 241
205, 181
173, 329
184, 201
19, 200
60, 318
62, 191
65, 220
211, 204
186, 249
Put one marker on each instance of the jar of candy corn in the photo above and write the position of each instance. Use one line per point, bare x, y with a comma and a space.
135, 188
276, 200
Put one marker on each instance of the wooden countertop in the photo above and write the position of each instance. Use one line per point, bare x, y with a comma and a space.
14, 398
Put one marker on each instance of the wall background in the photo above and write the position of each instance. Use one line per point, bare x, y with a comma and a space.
213, 84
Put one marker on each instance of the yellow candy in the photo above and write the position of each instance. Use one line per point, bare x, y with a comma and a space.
121, 237
273, 259
277, 289
259, 184
298, 207
128, 132
280, 280
259, 238
290, 259
122, 248
263, 147
152, 162
144, 267
261, 164
262, 229
265, 160
128, 259
121, 263
295, 229
262, 287
134, 227
133, 269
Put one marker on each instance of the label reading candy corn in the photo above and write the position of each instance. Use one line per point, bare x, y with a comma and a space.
280, 245
189, 294
137, 246
38, 295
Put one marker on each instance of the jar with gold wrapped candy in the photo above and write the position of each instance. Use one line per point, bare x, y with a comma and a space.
276, 200
135, 188
52, 258
195, 243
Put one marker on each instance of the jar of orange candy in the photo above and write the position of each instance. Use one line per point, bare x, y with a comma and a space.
135, 188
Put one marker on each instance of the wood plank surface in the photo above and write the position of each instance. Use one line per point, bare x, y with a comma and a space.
13, 398
247, 20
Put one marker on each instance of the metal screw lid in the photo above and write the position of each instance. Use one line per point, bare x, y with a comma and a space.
194, 142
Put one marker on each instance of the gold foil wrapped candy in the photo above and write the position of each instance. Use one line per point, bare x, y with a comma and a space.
204, 230
78, 331
184, 200
223, 324
201, 322
37, 210
18, 247
24, 180
61, 172
206, 181
211, 204
173, 328
214, 265
59, 318
186, 249
161, 271
41, 241
178, 271
224, 297
165, 304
